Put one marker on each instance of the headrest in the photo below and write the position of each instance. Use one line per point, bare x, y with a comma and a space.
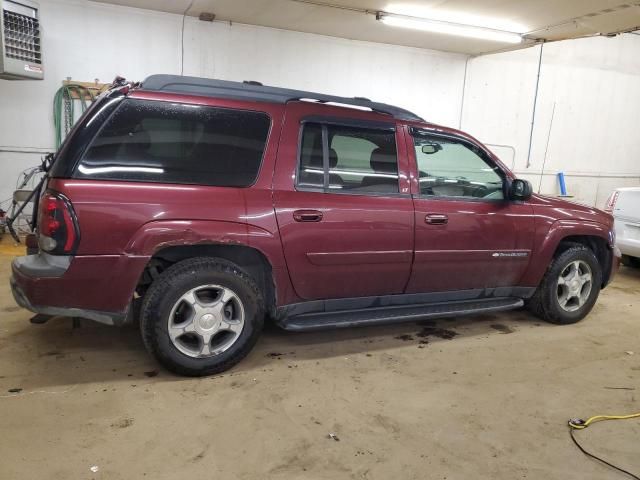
382, 162
333, 158
139, 141
316, 159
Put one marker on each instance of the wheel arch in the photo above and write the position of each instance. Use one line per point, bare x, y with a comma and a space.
598, 245
253, 261
255, 249
562, 235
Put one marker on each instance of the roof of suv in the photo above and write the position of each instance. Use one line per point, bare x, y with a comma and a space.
258, 92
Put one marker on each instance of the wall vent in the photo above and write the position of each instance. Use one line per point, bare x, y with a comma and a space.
20, 40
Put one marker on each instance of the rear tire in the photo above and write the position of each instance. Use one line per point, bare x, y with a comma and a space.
570, 287
201, 316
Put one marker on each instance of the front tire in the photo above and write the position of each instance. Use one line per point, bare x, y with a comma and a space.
201, 316
569, 288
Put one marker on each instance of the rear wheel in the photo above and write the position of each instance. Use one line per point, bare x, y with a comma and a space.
570, 287
201, 316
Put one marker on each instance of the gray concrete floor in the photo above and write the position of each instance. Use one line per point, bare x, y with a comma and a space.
491, 402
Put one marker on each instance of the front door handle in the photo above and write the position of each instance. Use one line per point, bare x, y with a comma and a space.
307, 215
436, 219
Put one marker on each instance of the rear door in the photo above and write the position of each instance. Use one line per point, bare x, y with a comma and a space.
468, 235
342, 203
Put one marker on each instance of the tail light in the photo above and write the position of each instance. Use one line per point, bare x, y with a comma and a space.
58, 232
611, 202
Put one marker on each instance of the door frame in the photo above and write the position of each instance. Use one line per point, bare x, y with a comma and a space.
297, 114
521, 255
414, 175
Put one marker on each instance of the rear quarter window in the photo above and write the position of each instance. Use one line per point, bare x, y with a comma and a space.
153, 141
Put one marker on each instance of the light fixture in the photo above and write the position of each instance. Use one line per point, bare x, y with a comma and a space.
449, 28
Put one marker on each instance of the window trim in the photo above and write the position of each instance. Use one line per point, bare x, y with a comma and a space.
350, 122
121, 105
77, 142
342, 122
484, 155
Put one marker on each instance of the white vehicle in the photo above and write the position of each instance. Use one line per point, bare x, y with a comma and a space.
624, 205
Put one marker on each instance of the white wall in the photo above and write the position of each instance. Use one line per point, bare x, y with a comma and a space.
592, 82
86, 40
593, 139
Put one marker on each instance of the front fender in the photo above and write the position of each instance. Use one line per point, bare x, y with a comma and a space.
558, 231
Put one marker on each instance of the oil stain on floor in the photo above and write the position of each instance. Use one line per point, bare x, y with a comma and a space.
502, 328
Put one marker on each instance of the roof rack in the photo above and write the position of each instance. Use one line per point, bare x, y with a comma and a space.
255, 91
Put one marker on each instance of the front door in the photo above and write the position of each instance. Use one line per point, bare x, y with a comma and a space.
343, 206
468, 235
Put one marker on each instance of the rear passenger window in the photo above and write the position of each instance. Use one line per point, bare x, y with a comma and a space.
164, 142
358, 159
311, 172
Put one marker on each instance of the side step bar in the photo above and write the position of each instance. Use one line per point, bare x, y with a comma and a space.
395, 314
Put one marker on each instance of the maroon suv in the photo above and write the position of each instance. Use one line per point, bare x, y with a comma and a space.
216, 204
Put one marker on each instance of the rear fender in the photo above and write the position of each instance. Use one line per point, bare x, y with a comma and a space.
155, 236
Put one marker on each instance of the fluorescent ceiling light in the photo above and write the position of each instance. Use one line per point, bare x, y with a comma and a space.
449, 28
463, 17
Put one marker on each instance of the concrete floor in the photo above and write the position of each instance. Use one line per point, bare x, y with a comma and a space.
405, 401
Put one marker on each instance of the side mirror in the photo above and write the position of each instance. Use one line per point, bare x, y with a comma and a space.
431, 148
520, 190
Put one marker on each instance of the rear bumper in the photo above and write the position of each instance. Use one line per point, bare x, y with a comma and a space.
98, 288
22, 299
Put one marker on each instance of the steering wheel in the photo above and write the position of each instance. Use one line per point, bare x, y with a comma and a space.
495, 195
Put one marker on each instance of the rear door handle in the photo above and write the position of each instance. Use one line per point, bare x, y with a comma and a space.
307, 215
436, 219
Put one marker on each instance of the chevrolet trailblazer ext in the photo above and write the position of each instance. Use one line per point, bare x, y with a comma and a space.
216, 204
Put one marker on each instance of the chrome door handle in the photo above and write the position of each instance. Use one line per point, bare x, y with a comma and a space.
307, 216
436, 219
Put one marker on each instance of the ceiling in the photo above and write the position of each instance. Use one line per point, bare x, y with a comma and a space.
355, 19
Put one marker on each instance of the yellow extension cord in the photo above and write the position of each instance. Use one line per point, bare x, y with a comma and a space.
579, 424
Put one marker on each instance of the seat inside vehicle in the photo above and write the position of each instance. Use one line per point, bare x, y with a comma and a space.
385, 173
312, 175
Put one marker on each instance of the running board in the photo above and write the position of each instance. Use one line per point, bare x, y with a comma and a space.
395, 314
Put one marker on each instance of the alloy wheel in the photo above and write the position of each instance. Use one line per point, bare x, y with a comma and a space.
574, 285
206, 321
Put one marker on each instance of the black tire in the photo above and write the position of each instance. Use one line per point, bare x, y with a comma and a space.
167, 289
544, 302
628, 261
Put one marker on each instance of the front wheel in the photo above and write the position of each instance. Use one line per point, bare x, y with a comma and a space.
201, 316
570, 287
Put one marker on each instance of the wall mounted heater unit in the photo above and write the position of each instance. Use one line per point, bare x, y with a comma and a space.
20, 40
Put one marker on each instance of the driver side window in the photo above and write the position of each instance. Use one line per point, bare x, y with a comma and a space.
449, 167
